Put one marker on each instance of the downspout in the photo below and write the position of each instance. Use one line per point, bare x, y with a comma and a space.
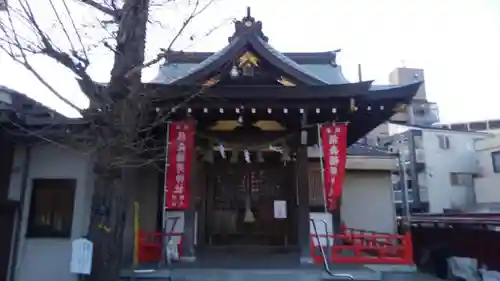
19, 213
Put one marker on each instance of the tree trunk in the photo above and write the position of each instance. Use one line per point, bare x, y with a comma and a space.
111, 197
107, 222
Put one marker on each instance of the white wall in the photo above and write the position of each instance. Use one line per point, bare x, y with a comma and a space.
367, 198
487, 185
48, 258
367, 201
459, 158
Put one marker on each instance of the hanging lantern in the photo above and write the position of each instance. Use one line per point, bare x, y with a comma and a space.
234, 73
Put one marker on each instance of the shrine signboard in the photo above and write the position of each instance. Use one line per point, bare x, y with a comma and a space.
180, 145
333, 141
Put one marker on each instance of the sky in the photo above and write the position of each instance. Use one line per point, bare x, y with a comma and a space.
456, 42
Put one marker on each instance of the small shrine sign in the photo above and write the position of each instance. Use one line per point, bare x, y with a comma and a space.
81, 256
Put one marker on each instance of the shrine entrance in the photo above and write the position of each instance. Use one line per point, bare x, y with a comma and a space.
241, 201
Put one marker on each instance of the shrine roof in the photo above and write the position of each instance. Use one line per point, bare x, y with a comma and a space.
306, 68
319, 65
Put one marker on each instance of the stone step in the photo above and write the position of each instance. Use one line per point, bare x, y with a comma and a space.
219, 274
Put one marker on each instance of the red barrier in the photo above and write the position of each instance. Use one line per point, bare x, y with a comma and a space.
150, 246
366, 248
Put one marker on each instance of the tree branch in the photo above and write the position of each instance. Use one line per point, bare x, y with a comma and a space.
114, 13
164, 52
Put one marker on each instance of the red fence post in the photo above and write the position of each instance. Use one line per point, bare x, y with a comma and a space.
139, 246
408, 248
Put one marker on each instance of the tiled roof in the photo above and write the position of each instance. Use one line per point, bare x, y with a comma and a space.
14, 103
357, 149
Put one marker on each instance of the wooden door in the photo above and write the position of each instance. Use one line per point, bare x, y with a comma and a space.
233, 186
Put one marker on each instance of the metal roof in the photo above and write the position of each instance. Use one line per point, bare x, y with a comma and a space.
25, 109
357, 149
309, 68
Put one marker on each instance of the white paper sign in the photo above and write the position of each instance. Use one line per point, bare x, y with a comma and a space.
174, 223
81, 256
279, 209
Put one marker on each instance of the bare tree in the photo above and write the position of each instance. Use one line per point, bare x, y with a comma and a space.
116, 118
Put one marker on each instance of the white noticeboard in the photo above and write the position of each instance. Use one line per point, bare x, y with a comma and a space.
279, 209
81, 256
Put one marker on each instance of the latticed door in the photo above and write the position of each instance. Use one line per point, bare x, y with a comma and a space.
236, 190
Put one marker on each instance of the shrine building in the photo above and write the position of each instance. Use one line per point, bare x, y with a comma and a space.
244, 175
256, 113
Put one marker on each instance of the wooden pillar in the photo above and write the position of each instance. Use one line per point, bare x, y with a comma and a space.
302, 173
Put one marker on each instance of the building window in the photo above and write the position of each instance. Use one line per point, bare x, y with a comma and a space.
494, 124
444, 142
478, 126
461, 179
495, 157
51, 208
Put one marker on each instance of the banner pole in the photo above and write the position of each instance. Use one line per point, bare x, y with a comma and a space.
164, 203
322, 171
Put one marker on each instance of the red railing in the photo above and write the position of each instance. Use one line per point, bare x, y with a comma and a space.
364, 247
150, 245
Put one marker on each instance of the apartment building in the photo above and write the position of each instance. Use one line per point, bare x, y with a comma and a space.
439, 167
487, 181
420, 112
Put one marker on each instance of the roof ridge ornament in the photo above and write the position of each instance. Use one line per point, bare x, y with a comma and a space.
247, 26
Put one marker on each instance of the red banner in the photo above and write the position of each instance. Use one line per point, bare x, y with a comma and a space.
180, 148
334, 151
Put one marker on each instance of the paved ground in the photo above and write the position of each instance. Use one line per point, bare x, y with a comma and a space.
412, 276
277, 267
263, 274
